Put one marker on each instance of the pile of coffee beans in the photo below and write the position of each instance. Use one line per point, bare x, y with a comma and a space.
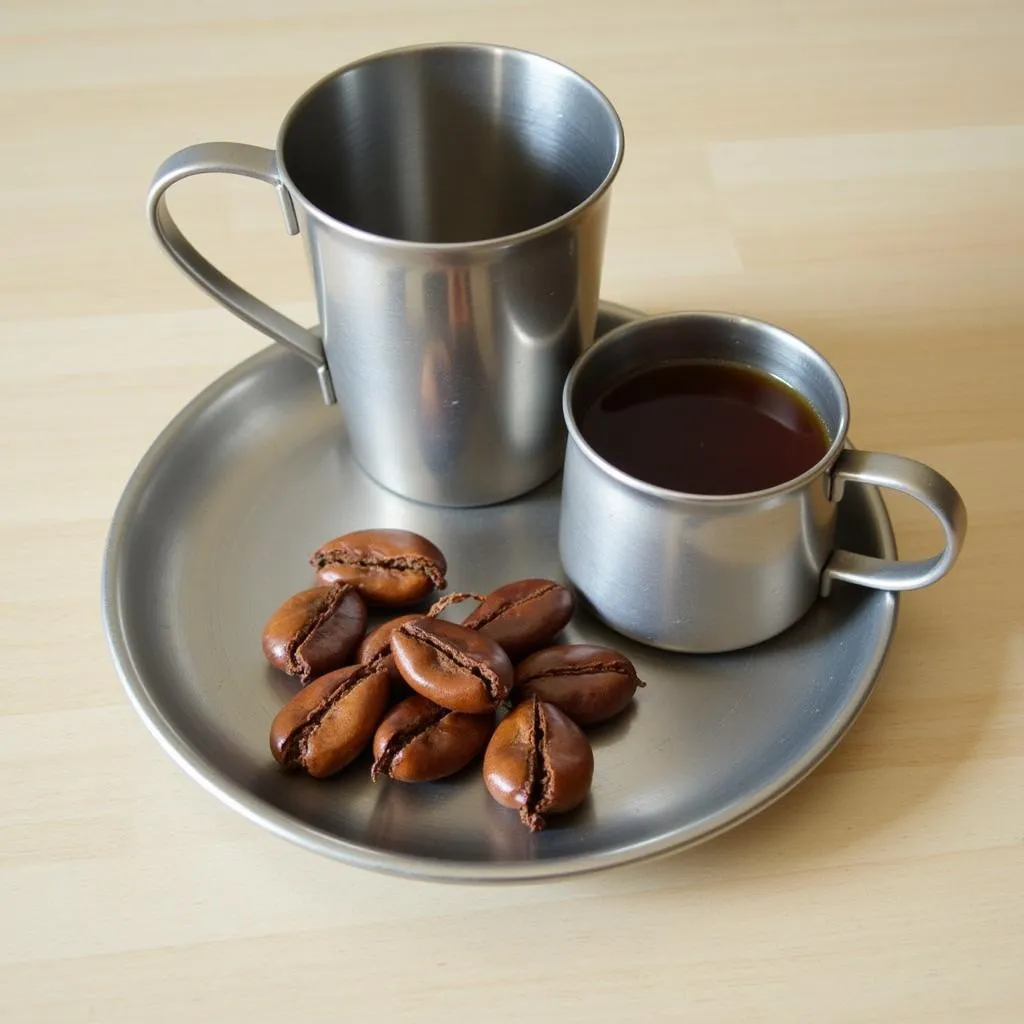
426, 693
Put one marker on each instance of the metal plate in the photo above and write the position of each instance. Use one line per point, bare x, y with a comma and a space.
214, 531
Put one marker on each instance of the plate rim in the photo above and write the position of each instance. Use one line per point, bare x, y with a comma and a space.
280, 823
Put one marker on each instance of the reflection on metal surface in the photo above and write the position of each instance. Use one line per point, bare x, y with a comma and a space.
214, 531
453, 200
710, 572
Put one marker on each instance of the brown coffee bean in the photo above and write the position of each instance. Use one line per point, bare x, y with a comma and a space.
388, 567
590, 684
538, 762
377, 645
523, 616
315, 631
326, 724
453, 666
420, 741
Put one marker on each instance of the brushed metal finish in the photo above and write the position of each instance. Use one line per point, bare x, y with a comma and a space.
919, 481
454, 200
214, 529
250, 162
711, 573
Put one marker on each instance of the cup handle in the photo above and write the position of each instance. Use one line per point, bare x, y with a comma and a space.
253, 162
921, 482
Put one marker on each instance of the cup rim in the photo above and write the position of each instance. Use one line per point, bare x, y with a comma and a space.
634, 327
474, 245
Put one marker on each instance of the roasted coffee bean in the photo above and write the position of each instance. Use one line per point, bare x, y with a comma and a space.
453, 666
315, 631
523, 616
590, 684
388, 567
538, 762
326, 724
377, 645
419, 741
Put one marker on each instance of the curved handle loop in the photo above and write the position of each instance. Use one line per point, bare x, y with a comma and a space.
924, 484
253, 162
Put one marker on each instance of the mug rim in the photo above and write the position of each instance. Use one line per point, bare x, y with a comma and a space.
627, 330
494, 242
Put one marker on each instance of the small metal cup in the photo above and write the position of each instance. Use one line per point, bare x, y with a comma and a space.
454, 200
705, 573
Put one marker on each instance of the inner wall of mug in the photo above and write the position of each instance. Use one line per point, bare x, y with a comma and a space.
451, 144
717, 337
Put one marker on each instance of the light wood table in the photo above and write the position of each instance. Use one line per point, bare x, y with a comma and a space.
852, 170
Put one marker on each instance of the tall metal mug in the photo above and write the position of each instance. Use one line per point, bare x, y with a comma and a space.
705, 573
453, 200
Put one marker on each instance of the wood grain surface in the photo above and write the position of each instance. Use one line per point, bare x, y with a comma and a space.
852, 169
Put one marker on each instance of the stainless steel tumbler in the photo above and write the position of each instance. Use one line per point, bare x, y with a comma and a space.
453, 200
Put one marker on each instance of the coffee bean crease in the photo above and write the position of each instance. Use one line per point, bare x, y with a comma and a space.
299, 665
446, 650
488, 617
401, 739
296, 747
400, 563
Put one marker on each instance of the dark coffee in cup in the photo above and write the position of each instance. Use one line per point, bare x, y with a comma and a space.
738, 541
706, 427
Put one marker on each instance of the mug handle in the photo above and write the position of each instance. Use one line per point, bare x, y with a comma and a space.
252, 162
921, 482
